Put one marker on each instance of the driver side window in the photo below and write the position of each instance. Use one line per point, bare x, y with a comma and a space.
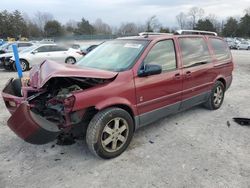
43, 49
163, 54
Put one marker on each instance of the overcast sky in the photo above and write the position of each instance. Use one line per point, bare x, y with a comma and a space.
116, 11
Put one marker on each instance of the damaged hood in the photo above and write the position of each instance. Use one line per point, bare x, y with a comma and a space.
41, 74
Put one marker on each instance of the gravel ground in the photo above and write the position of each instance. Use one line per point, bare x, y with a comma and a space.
195, 148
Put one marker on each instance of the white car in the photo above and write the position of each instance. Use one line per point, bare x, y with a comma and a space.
243, 45
38, 54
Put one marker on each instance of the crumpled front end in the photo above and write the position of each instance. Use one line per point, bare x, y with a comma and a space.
29, 126
43, 110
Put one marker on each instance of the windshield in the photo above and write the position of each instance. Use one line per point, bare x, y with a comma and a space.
117, 55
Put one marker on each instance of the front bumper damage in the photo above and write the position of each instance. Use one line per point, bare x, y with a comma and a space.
29, 126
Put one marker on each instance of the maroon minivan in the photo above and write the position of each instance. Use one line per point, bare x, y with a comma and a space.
120, 86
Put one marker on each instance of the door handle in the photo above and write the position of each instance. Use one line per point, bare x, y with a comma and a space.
177, 76
188, 74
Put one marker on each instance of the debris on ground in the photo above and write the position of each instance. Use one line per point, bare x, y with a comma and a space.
228, 124
57, 159
242, 121
151, 142
64, 140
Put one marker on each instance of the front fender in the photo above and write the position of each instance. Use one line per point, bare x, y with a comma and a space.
114, 101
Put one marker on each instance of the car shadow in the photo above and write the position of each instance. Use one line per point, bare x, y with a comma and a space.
79, 151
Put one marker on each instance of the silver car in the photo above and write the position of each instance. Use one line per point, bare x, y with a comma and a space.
243, 45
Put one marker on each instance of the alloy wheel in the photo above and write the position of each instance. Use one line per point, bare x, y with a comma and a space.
115, 134
23, 65
218, 96
70, 61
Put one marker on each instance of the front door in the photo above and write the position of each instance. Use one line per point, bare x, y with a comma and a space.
58, 54
40, 54
159, 95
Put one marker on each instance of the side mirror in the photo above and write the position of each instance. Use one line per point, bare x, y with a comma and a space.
34, 52
150, 69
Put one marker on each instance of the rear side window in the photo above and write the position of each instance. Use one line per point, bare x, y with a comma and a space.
163, 54
194, 51
221, 51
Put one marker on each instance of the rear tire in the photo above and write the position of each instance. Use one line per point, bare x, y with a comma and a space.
70, 60
216, 97
110, 132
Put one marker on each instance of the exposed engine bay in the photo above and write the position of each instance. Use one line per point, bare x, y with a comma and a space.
55, 101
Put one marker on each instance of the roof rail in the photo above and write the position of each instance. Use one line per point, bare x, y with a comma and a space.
195, 32
153, 33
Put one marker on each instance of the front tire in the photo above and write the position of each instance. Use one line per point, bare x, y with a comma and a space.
110, 132
216, 97
24, 65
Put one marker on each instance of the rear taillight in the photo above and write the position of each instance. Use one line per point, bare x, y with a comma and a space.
69, 103
81, 53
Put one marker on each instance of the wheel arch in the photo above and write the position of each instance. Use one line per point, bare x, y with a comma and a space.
223, 81
23, 59
123, 105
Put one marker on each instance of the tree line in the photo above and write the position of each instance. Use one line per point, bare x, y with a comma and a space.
16, 24
195, 18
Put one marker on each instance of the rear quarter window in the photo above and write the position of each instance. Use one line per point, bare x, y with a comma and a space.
221, 50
